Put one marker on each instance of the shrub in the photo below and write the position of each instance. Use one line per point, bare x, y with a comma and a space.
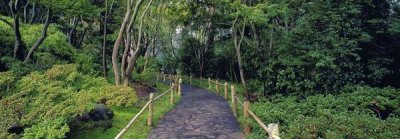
149, 74
7, 79
45, 103
7, 37
361, 112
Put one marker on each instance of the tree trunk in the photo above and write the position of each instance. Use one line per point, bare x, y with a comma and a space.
71, 34
104, 47
19, 44
239, 56
117, 43
147, 55
78, 44
270, 43
235, 74
128, 44
201, 68
26, 12
104, 57
133, 58
41, 39
33, 13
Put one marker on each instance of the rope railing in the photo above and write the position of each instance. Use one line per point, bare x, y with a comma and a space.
272, 129
163, 94
149, 105
238, 100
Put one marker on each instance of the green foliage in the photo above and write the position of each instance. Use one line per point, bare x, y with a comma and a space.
7, 37
360, 112
7, 79
88, 59
46, 102
54, 50
140, 130
148, 75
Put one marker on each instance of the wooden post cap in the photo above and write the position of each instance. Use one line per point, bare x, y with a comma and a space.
273, 131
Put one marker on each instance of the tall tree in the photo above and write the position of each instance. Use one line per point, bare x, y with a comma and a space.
19, 44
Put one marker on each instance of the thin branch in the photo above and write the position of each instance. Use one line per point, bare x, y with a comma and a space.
5, 21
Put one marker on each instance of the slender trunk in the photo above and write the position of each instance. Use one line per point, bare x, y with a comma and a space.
241, 71
104, 58
129, 68
104, 48
133, 58
82, 38
201, 68
230, 71
42, 37
235, 74
270, 43
286, 27
128, 44
239, 56
33, 13
19, 44
26, 12
117, 43
71, 34
147, 55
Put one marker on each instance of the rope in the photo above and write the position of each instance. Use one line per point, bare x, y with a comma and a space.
258, 120
132, 121
238, 100
163, 93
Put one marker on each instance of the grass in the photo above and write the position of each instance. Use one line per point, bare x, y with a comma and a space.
122, 116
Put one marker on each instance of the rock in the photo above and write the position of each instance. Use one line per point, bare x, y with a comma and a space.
15, 129
101, 112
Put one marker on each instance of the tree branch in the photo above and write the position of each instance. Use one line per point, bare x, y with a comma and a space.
42, 37
5, 21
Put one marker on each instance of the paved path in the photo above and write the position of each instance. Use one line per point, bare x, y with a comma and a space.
199, 115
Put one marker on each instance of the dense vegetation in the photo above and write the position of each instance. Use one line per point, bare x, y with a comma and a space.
319, 68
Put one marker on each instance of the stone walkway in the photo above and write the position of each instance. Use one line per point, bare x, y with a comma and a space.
199, 115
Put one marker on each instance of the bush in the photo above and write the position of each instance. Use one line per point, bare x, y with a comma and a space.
149, 74
361, 112
7, 79
7, 37
45, 103
54, 50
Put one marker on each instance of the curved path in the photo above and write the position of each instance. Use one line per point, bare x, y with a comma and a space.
199, 115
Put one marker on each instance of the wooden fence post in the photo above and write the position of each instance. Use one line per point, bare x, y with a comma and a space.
157, 77
246, 106
209, 83
190, 79
163, 77
234, 103
171, 101
216, 87
201, 81
273, 131
226, 90
176, 78
179, 87
150, 114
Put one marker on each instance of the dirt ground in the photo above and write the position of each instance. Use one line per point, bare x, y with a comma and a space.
142, 90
